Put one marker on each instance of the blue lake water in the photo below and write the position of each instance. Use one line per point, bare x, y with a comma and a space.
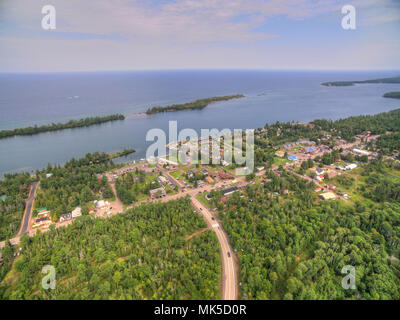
27, 99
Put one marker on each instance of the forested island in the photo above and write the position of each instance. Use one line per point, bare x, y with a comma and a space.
123, 153
352, 83
85, 122
196, 104
393, 95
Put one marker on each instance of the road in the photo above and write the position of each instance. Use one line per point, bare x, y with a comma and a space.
28, 209
229, 279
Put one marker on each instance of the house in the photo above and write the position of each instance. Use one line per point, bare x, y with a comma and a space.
42, 221
279, 154
224, 176
229, 191
157, 193
223, 200
318, 189
77, 212
100, 204
65, 217
200, 183
332, 187
162, 180
204, 171
209, 180
319, 171
320, 178
328, 196
49, 175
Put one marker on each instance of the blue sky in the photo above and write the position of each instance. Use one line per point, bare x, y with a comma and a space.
204, 34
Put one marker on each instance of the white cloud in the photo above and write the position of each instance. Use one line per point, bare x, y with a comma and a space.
172, 34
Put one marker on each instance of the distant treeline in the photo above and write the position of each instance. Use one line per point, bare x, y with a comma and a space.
352, 83
394, 95
60, 126
197, 104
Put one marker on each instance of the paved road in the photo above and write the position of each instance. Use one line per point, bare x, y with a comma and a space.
230, 285
28, 209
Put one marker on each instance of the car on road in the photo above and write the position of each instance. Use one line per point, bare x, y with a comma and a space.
212, 218
229, 254
201, 209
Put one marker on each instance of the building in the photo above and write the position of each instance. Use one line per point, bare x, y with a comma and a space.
209, 180
320, 178
229, 191
157, 193
162, 180
224, 163
332, 187
351, 166
65, 217
279, 154
224, 176
100, 204
260, 168
361, 152
328, 196
77, 212
319, 171
310, 149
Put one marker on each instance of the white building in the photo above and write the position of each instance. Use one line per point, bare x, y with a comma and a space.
362, 152
77, 212
351, 166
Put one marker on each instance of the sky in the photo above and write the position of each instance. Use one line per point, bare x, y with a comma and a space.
97, 35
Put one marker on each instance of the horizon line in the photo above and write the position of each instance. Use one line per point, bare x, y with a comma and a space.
196, 69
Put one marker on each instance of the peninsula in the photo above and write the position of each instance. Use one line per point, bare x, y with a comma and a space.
352, 83
196, 104
85, 122
393, 95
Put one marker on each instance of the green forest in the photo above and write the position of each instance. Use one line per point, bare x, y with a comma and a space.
77, 183
197, 104
295, 247
156, 251
15, 189
85, 122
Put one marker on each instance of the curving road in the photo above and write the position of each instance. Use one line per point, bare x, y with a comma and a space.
229, 280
